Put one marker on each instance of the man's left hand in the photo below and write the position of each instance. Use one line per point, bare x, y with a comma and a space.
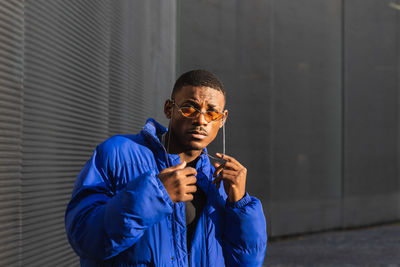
233, 174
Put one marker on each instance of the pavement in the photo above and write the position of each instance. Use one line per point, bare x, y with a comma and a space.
369, 246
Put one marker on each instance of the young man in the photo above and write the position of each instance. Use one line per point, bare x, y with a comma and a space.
154, 199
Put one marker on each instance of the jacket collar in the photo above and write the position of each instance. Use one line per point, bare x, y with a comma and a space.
153, 130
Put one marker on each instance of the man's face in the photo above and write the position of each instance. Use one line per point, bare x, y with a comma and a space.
197, 133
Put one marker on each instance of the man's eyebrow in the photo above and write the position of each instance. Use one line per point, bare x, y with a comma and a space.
193, 102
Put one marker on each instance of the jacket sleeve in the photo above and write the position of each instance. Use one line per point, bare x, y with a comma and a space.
245, 235
100, 221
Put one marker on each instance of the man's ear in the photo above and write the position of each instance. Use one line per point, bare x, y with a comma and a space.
224, 118
168, 107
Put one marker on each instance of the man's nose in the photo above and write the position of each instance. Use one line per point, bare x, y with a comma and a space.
201, 119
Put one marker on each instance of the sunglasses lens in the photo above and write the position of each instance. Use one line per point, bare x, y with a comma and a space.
213, 115
189, 112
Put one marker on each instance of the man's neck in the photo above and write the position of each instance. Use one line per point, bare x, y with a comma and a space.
189, 156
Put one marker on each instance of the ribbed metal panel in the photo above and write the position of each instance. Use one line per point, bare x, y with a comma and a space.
142, 62
127, 105
67, 46
85, 65
72, 73
11, 103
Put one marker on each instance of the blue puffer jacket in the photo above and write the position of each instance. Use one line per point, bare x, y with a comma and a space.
121, 215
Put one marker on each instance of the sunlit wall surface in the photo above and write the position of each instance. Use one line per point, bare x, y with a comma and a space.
72, 73
313, 92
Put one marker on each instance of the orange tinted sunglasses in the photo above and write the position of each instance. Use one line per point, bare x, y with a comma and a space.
191, 112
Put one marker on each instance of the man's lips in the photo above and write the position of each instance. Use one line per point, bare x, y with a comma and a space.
197, 134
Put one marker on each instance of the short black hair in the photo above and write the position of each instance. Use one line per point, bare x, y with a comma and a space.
198, 78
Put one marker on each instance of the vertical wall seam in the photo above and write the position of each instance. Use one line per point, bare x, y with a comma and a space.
398, 109
177, 38
343, 110
271, 105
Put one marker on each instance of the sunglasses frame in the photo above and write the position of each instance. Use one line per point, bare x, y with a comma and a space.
198, 112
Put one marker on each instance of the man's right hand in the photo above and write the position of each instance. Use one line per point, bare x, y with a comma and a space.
179, 181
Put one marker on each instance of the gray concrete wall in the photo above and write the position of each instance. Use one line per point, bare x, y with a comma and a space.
312, 93
371, 103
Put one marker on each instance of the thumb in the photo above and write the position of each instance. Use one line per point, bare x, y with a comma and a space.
179, 166
217, 164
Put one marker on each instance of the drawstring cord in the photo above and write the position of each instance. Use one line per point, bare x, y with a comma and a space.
223, 138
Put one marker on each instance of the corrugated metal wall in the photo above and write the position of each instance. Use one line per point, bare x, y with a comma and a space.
90, 69
66, 89
313, 93
11, 105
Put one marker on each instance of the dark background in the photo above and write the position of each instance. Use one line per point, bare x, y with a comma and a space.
313, 93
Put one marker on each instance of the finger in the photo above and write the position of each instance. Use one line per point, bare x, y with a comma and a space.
225, 166
187, 197
217, 182
231, 166
218, 168
217, 164
190, 180
190, 189
229, 172
179, 166
228, 180
227, 158
188, 171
